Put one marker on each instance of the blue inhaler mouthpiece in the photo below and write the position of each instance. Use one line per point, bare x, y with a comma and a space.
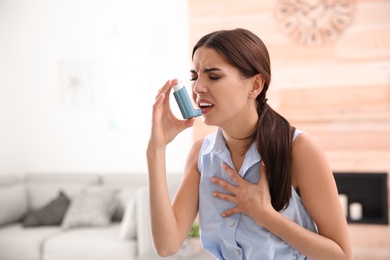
184, 102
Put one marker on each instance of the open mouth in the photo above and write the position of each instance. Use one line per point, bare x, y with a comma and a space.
204, 105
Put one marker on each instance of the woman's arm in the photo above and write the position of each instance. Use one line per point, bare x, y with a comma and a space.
170, 223
314, 179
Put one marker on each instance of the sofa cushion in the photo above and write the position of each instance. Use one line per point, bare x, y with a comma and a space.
92, 207
13, 202
21, 243
42, 188
99, 243
51, 214
126, 185
124, 195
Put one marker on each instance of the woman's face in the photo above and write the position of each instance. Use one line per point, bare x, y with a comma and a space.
219, 90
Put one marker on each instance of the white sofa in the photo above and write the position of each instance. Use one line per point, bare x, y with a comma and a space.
21, 195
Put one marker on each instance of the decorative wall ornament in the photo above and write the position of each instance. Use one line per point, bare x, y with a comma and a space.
314, 22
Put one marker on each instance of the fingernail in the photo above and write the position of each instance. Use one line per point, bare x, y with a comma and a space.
212, 179
223, 215
262, 163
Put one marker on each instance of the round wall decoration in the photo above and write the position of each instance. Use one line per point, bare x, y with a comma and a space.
314, 22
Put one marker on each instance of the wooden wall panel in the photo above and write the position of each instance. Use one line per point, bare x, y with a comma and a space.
319, 73
364, 103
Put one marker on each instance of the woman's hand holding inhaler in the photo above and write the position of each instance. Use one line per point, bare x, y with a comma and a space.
165, 126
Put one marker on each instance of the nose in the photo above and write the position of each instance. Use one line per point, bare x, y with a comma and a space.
199, 87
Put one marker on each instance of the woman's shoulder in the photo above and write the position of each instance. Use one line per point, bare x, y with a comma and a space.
200, 147
208, 142
309, 160
196, 148
305, 143
197, 144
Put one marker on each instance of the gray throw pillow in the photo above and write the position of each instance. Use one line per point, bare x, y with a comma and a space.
49, 215
93, 207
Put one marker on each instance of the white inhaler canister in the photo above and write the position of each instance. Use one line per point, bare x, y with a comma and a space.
184, 102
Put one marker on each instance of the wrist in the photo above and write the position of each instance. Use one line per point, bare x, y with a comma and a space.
156, 145
152, 149
268, 218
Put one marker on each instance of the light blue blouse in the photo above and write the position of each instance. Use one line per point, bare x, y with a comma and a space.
238, 236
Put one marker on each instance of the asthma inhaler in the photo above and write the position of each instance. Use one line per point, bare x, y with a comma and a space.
184, 102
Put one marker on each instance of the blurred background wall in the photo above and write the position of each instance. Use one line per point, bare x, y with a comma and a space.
78, 80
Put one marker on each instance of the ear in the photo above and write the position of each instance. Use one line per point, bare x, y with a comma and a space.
257, 85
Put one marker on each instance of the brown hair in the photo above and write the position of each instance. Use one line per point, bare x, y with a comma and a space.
274, 134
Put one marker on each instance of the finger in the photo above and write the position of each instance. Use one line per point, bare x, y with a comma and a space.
166, 89
189, 122
166, 86
232, 173
184, 124
157, 106
224, 196
159, 100
225, 185
230, 212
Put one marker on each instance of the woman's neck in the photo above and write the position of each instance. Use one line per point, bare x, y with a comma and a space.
239, 138
238, 133
238, 149
239, 144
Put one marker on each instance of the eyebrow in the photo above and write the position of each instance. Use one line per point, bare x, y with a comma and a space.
206, 70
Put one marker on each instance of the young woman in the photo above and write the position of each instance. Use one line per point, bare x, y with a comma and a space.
263, 189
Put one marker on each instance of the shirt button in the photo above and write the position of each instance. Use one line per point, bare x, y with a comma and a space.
238, 252
232, 224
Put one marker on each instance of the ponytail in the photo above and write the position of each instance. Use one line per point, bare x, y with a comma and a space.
274, 136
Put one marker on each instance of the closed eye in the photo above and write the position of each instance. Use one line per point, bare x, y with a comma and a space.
194, 75
211, 78
211, 75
